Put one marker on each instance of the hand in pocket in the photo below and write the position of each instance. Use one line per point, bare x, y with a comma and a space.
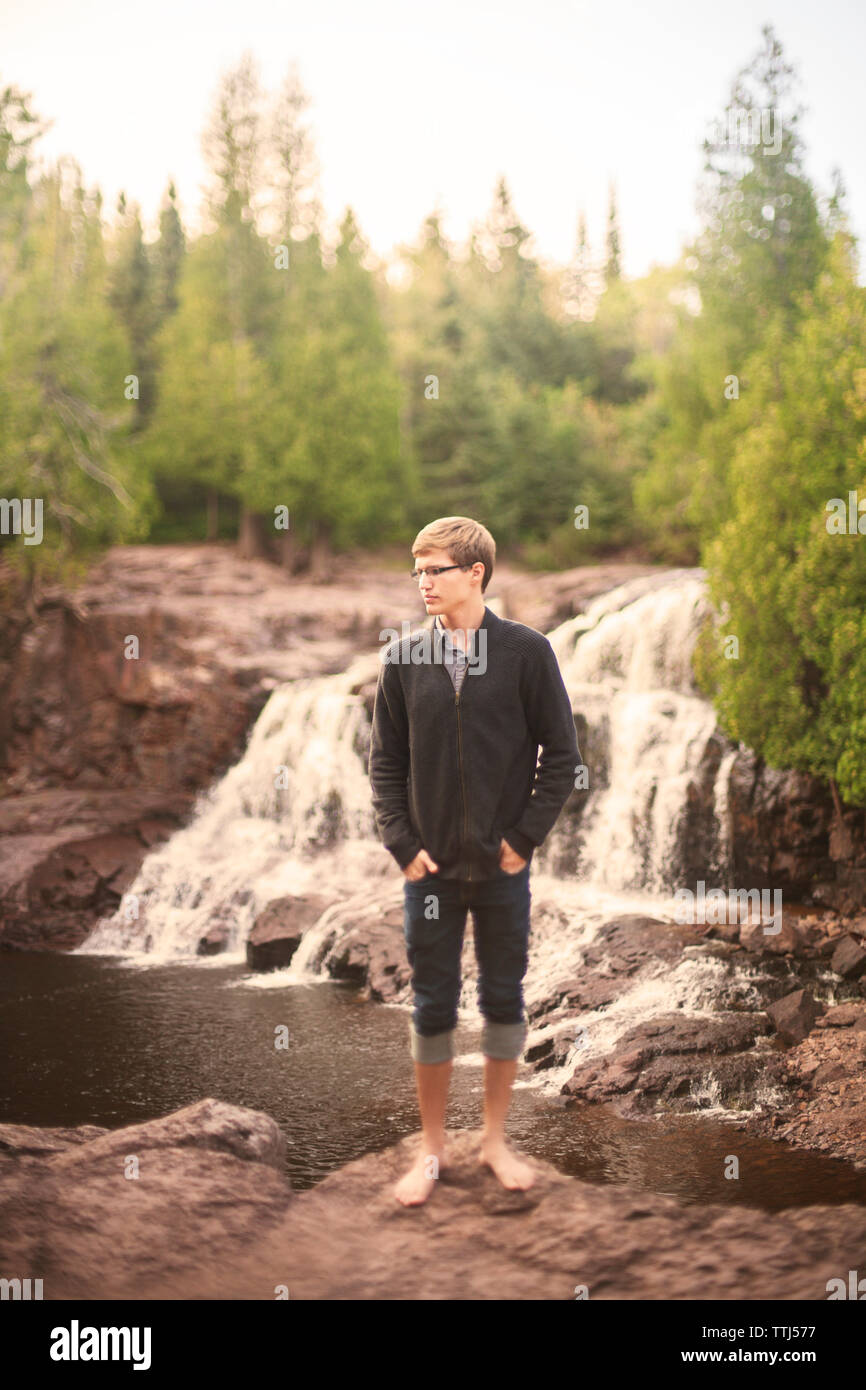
420, 866
509, 860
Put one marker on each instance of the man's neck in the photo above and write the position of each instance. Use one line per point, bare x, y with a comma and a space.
463, 620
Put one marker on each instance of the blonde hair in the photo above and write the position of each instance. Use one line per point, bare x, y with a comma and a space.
465, 540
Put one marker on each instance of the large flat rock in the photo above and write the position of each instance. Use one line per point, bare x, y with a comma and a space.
212, 1215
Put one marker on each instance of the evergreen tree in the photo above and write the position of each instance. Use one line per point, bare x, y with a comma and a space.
612, 264
64, 407
131, 295
579, 291
334, 417
511, 323
761, 246
210, 421
168, 254
789, 583
296, 207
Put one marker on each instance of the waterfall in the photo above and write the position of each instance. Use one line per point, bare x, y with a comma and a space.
295, 811
626, 664
294, 816
300, 789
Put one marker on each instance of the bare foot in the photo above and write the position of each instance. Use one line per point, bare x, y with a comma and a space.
512, 1172
416, 1185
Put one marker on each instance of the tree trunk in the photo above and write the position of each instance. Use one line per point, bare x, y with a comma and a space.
213, 514
320, 553
288, 552
253, 535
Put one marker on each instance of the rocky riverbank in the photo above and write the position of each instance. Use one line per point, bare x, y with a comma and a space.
205, 1211
105, 758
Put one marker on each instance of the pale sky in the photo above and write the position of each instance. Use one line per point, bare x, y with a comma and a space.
418, 104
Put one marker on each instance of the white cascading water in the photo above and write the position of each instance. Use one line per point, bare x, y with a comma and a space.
626, 664
294, 816
300, 786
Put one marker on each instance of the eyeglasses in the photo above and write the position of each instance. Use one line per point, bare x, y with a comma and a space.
435, 570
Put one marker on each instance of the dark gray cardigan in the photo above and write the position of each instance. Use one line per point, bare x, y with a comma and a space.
455, 774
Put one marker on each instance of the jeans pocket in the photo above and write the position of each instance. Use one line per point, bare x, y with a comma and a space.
425, 878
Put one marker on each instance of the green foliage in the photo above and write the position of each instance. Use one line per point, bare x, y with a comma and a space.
333, 421
762, 245
64, 415
792, 593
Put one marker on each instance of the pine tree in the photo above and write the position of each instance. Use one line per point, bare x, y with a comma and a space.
210, 423
761, 247
790, 584
64, 409
131, 295
168, 254
612, 266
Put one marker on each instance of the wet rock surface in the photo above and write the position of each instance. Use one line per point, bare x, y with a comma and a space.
373, 955
825, 1088
212, 1215
666, 1062
68, 856
279, 929
764, 1008
787, 833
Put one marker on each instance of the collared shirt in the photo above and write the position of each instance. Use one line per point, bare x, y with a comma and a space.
454, 657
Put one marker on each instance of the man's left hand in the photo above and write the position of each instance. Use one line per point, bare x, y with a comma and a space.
509, 860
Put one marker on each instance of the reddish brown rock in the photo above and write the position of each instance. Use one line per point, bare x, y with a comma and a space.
790, 939
56, 881
849, 958
851, 1015
789, 833
373, 955
829, 1068
214, 941
211, 1215
279, 929
543, 601
621, 948
19, 1140
671, 1060
794, 1016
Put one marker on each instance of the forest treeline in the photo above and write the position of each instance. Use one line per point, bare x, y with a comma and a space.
260, 380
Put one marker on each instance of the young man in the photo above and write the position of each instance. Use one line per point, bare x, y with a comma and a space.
461, 807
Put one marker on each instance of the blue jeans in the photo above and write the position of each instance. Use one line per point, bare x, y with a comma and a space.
434, 921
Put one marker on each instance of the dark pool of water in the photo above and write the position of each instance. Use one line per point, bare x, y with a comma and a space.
85, 1040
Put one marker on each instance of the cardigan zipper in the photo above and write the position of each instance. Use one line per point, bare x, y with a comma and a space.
462, 781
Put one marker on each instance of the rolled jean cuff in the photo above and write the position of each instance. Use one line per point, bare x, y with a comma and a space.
438, 1048
504, 1042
